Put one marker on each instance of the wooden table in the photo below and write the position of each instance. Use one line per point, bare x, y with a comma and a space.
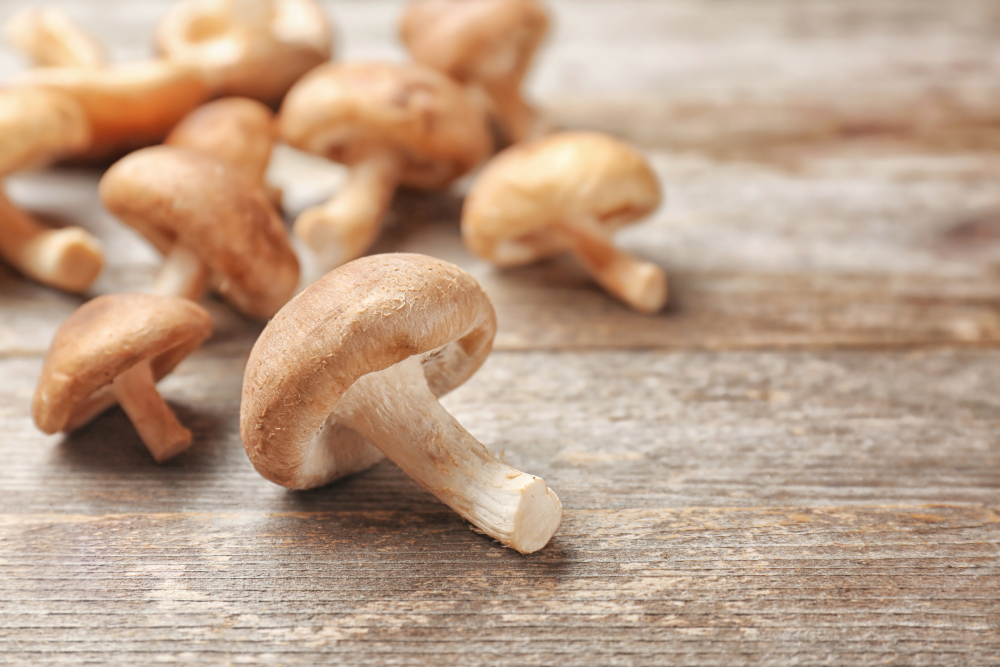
797, 463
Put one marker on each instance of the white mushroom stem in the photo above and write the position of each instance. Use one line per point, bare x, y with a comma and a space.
517, 118
396, 411
68, 259
182, 274
347, 225
641, 284
156, 423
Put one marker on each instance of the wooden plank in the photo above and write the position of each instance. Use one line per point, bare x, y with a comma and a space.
789, 508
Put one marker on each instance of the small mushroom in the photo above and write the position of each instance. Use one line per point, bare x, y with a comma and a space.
487, 44
364, 353
236, 130
51, 39
392, 125
128, 106
37, 127
250, 48
114, 349
213, 226
568, 193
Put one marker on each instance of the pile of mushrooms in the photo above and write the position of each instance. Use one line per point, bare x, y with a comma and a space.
350, 370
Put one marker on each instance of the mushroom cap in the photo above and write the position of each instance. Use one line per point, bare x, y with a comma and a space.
39, 126
360, 318
128, 106
177, 195
105, 337
253, 48
237, 130
528, 187
345, 111
473, 39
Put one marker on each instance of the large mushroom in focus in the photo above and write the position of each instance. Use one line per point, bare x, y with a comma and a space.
392, 125
568, 193
114, 349
249, 48
361, 356
485, 44
215, 228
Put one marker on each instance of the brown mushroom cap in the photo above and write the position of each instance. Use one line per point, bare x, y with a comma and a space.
237, 130
469, 39
178, 196
346, 112
571, 175
128, 106
256, 49
39, 126
105, 337
360, 318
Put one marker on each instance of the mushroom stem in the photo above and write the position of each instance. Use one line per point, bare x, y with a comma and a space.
69, 258
182, 274
156, 423
640, 284
396, 411
347, 225
517, 118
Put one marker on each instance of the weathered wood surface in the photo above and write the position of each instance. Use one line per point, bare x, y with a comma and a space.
721, 508
833, 181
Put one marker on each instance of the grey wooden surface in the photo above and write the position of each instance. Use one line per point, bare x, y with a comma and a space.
796, 464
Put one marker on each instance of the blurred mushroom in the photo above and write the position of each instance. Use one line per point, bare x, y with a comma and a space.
488, 44
236, 130
392, 125
214, 227
127, 106
114, 349
69, 259
38, 127
367, 350
568, 193
251, 48
51, 39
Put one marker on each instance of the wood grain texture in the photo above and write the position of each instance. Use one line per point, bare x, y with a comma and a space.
735, 492
778, 508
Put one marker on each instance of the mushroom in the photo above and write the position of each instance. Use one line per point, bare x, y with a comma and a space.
213, 226
486, 44
114, 349
51, 39
37, 127
392, 125
236, 130
128, 106
251, 48
69, 259
568, 193
363, 354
